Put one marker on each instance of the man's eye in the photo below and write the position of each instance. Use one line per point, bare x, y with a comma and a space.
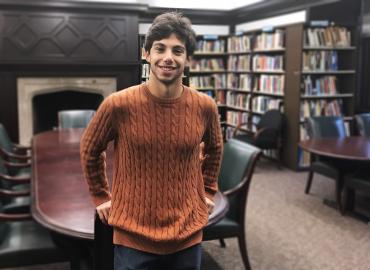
159, 49
179, 51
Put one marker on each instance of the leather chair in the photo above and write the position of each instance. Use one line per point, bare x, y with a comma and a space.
326, 127
74, 118
15, 189
238, 163
23, 242
11, 151
268, 135
359, 181
363, 124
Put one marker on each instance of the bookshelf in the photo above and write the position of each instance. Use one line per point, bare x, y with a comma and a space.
321, 80
256, 77
208, 69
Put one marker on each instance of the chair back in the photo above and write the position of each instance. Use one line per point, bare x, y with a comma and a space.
238, 162
5, 141
326, 127
74, 118
363, 124
271, 124
271, 119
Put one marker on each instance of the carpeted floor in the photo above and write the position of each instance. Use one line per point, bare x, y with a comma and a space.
288, 230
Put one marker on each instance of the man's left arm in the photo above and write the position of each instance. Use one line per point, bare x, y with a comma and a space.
213, 146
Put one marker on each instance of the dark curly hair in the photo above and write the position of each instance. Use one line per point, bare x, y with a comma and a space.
171, 23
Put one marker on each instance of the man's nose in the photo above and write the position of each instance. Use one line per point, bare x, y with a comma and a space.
168, 56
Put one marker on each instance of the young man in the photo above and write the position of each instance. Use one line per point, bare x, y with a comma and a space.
162, 190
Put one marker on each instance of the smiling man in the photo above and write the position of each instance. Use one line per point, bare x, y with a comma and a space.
162, 189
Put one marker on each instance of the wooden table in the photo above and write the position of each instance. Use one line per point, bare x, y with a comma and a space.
350, 148
60, 197
354, 149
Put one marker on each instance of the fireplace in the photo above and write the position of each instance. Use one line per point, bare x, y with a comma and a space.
39, 100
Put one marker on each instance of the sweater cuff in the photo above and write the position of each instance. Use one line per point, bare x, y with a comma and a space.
99, 199
210, 196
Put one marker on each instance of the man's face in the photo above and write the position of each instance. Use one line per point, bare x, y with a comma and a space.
167, 58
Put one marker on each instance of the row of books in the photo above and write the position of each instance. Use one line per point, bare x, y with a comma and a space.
210, 46
267, 41
320, 107
239, 100
201, 82
216, 81
238, 63
332, 36
273, 84
236, 118
213, 64
239, 43
262, 104
239, 81
145, 70
264, 62
326, 85
320, 61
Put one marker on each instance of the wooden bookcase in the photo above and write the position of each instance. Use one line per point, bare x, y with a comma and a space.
314, 89
258, 86
208, 69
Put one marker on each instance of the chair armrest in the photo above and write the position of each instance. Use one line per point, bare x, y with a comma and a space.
21, 147
266, 132
13, 193
234, 190
238, 127
8, 155
17, 165
15, 179
14, 217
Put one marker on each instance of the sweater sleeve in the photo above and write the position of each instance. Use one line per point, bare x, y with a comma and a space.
93, 145
213, 151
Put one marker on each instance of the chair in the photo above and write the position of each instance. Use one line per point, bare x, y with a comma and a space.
268, 135
15, 188
74, 118
11, 151
363, 124
359, 181
22, 241
238, 163
326, 127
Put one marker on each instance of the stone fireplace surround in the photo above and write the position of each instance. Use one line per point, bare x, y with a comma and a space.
29, 87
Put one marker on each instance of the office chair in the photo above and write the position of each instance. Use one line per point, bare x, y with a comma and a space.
363, 124
326, 127
74, 118
238, 163
268, 134
11, 151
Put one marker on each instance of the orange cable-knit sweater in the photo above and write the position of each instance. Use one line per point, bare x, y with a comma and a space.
159, 185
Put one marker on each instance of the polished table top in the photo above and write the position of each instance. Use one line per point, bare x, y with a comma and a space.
60, 197
352, 148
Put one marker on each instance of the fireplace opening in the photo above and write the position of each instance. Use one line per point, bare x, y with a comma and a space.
46, 106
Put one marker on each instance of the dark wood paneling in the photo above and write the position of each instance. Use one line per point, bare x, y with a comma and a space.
126, 76
54, 37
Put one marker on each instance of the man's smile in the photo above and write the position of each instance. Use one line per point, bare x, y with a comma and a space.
167, 68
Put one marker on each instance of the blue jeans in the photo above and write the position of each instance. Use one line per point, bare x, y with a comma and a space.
132, 259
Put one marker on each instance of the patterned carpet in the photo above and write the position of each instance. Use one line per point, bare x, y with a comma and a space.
288, 230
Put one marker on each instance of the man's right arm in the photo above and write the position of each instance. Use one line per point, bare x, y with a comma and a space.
92, 151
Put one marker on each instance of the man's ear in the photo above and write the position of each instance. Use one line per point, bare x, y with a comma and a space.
147, 56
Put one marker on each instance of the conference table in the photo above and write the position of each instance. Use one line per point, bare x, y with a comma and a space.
354, 150
60, 197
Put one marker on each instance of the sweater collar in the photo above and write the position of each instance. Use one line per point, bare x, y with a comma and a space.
164, 100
